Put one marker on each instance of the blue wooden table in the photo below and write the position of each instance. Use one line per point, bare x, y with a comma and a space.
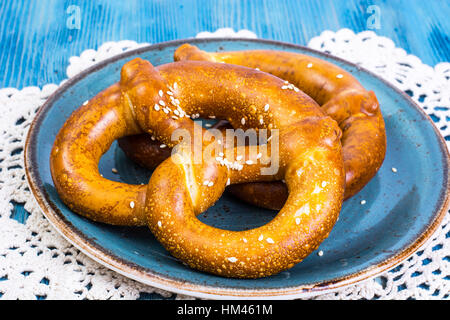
38, 37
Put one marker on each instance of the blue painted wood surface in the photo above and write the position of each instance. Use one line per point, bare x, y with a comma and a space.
36, 42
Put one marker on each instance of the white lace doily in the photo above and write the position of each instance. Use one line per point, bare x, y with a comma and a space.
36, 262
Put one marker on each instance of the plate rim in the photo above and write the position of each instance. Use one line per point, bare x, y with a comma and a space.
151, 277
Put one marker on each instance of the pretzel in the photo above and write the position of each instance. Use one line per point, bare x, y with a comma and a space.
145, 150
310, 161
340, 95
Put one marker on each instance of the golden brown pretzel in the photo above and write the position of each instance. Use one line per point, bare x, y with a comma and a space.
341, 96
310, 161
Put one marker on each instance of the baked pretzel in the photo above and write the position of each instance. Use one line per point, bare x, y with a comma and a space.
310, 161
340, 95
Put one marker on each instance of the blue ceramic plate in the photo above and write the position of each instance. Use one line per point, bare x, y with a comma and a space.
401, 211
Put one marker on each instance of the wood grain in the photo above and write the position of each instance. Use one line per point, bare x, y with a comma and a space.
35, 43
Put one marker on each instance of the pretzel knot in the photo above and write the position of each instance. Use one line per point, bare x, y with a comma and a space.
161, 101
338, 93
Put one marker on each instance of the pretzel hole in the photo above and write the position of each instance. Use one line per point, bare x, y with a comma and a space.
230, 213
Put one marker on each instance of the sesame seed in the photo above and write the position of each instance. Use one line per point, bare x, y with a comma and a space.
228, 182
269, 240
210, 184
249, 162
261, 237
339, 76
245, 240
170, 93
153, 138
205, 183
212, 117
162, 146
284, 87
363, 202
309, 65
243, 121
86, 102
266, 107
261, 121
324, 183
232, 259
159, 224
132, 204
114, 170
156, 107
161, 93
317, 189
297, 220
394, 169
320, 253
175, 85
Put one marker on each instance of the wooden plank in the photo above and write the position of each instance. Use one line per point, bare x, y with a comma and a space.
35, 43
